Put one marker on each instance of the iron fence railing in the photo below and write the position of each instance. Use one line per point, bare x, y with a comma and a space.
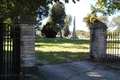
113, 46
9, 52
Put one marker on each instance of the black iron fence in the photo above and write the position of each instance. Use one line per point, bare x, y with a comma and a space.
9, 52
113, 46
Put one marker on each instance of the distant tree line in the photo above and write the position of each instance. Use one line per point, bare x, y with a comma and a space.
82, 33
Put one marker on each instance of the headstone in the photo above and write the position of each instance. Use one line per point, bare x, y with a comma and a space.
74, 33
37, 36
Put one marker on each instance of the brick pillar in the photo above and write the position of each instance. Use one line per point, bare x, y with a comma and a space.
27, 25
98, 35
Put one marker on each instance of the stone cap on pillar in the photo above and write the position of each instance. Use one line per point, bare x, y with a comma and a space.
98, 25
25, 20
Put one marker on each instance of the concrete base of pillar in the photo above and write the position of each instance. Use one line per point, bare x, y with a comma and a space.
29, 70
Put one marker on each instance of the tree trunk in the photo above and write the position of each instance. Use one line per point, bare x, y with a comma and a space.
60, 31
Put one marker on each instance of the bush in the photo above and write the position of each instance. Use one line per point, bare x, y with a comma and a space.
49, 30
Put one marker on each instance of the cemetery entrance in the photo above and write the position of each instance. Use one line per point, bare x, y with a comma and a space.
9, 51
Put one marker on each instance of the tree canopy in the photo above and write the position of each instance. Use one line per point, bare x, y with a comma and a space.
115, 22
19, 7
106, 6
15, 8
68, 20
57, 15
104, 19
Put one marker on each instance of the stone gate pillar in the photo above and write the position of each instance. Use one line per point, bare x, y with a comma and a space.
98, 35
27, 34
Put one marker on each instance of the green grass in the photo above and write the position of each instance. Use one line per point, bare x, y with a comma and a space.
7, 50
113, 63
56, 50
113, 46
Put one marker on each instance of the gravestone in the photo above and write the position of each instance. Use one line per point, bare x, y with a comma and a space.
74, 33
98, 35
37, 36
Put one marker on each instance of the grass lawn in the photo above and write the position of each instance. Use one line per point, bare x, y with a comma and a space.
57, 50
113, 46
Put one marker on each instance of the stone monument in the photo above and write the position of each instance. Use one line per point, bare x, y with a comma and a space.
74, 33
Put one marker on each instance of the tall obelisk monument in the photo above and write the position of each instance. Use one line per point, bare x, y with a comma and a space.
74, 33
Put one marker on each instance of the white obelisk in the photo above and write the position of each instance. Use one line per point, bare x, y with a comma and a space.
74, 33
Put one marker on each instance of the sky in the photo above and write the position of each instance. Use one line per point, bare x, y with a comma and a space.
79, 10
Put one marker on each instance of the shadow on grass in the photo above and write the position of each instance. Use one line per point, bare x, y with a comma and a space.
7, 55
60, 57
54, 45
113, 57
63, 40
57, 50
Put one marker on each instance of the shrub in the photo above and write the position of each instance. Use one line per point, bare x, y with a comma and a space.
49, 30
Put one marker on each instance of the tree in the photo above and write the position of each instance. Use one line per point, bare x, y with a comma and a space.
11, 9
117, 30
57, 14
106, 6
82, 33
66, 31
104, 19
91, 18
49, 30
68, 20
14, 8
108, 32
38, 29
115, 22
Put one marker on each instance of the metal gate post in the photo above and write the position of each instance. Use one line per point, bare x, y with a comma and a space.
1, 49
16, 51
